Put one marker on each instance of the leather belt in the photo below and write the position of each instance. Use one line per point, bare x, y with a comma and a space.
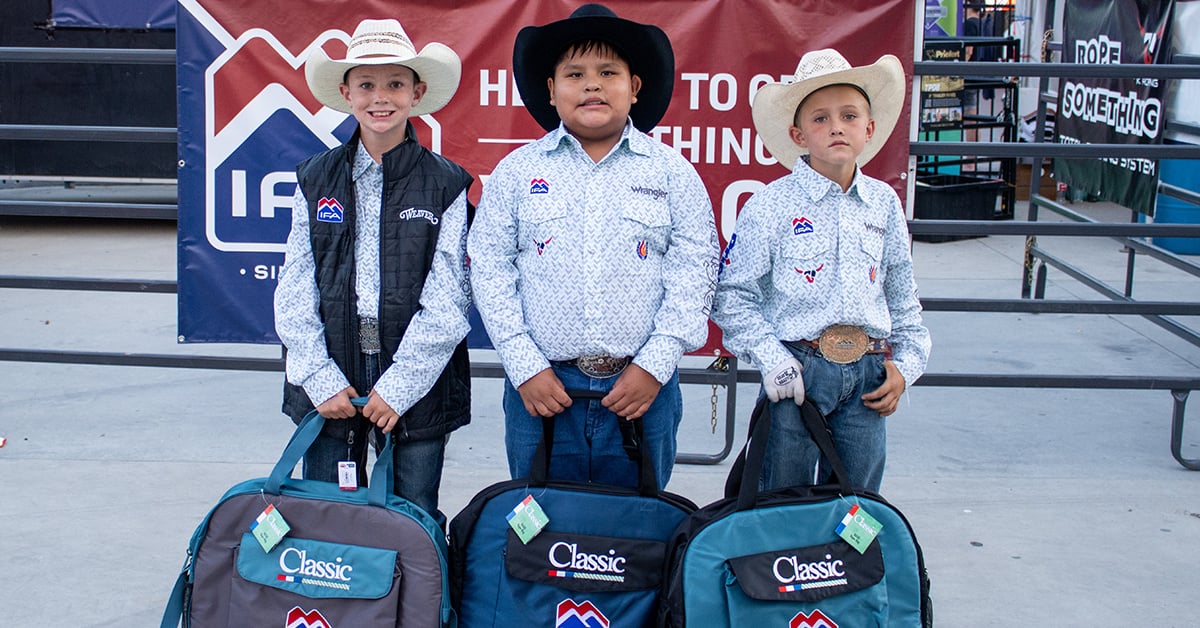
601, 366
368, 335
846, 344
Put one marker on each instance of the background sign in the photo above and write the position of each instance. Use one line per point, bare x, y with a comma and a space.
135, 14
1113, 111
246, 116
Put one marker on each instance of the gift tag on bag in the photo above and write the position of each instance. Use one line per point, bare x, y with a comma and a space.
269, 528
527, 519
859, 528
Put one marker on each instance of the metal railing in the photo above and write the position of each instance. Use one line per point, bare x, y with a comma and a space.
1179, 387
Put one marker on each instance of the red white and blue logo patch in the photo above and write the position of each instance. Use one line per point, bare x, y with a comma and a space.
583, 615
298, 618
801, 225
330, 210
726, 258
643, 249
873, 272
539, 186
816, 620
541, 246
810, 275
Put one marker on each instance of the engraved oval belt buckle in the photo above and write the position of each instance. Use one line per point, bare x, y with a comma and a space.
601, 366
843, 344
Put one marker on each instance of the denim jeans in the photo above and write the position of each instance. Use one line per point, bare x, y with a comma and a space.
417, 465
587, 437
859, 433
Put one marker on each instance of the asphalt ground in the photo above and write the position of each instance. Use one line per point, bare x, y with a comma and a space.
1055, 507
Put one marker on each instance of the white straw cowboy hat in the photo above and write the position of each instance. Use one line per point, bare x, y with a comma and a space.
384, 42
774, 108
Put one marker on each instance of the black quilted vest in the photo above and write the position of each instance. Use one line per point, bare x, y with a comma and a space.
425, 184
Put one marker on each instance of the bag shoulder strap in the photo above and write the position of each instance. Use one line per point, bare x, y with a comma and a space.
746, 471
633, 432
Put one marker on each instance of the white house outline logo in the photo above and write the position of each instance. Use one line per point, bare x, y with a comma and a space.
219, 146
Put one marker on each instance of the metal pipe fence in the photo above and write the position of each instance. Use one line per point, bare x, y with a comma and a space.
727, 374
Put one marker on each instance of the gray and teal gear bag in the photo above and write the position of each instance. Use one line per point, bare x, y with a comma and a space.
364, 558
777, 558
598, 562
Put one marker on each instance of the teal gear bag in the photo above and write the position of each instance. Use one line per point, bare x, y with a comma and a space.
775, 558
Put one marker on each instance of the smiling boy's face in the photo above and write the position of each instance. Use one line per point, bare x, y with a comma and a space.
381, 97
593, 91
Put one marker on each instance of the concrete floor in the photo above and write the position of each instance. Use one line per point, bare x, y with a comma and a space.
1034, 507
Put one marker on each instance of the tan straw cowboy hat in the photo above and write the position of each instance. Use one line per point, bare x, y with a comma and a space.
384, 42
774, 108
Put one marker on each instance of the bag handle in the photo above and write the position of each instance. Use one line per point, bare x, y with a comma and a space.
382, 478
633, 431
746, 471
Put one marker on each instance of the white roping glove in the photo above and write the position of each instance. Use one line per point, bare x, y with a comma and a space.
784, 382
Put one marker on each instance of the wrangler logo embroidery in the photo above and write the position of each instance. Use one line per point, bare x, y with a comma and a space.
657, 195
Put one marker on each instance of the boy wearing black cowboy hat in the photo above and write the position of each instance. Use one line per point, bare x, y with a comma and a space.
373, 294
593, 254
816, 283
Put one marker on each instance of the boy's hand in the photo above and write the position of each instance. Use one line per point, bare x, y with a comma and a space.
339, 406
544, 394
885, 398
784, 382
380, 413
633, 393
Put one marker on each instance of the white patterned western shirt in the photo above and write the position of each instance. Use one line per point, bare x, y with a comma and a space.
435, 330
805, 255
570, 257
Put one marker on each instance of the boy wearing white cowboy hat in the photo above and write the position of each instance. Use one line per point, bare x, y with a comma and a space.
593, 255
816, 283
373, 294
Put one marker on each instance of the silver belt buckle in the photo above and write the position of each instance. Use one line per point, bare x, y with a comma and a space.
368, 335
843, 344
602, 366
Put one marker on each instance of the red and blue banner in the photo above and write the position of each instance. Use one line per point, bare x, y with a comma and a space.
246, 117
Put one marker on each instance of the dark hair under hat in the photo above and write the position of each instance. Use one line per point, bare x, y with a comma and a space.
645, 47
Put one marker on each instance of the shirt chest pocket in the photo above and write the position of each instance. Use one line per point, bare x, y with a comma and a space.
646, 225
539, 222
802, 260
871, 247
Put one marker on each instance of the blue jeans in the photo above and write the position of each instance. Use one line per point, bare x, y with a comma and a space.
859, 433
587, 437
417, 465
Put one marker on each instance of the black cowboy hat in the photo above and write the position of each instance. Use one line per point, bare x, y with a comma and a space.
644, 46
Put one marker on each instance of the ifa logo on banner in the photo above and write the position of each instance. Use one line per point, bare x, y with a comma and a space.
582, 615
299, 618
816, 620
247, 116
